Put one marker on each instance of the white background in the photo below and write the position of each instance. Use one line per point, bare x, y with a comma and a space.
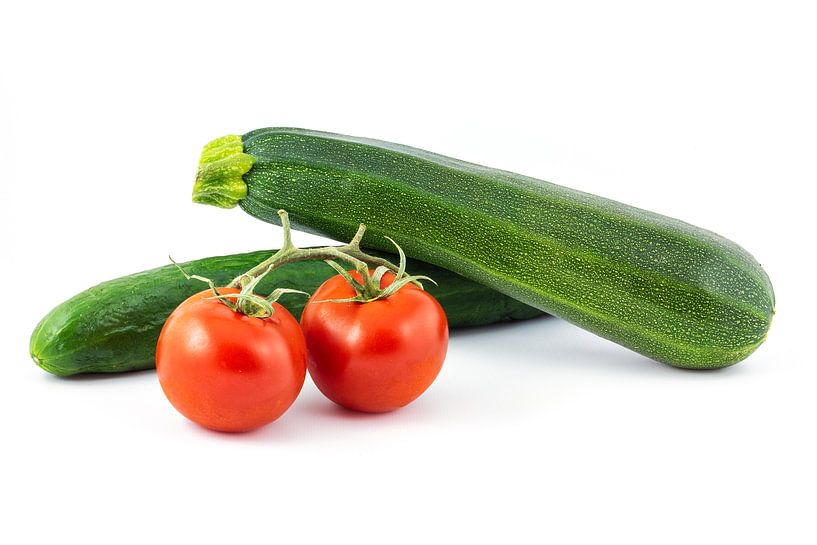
536, 432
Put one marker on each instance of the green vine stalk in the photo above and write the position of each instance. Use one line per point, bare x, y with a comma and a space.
367, 290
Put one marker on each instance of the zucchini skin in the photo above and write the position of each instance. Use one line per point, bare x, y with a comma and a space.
666, 289
113, 327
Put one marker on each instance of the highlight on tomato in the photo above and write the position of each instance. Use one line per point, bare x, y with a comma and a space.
229, 370
374, 343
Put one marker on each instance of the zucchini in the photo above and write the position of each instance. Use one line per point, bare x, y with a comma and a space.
114, 326
668, 290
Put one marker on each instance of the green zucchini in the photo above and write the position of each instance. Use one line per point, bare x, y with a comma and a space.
114, 326
661, 287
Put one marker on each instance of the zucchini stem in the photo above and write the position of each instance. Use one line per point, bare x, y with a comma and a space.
219, 179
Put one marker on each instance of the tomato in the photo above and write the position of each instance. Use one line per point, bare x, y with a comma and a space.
227, 371
376, 356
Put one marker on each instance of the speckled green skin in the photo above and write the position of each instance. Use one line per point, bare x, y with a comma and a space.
114, 326
666, 289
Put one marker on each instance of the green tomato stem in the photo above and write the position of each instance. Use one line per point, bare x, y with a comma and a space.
249, 303
289, 253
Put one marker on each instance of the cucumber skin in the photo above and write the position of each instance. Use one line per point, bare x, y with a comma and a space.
113, 327
666, 289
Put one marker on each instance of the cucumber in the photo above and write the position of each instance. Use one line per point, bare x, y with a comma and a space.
114, 326
668, 290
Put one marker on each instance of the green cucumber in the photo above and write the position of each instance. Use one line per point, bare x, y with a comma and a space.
661, 287
114, 326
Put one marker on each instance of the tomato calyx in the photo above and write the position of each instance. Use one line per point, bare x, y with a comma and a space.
369, 289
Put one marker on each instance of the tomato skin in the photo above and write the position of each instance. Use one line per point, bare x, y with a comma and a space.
377, 356
227, 371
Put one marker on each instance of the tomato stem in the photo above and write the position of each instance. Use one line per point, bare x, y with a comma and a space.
367, 290
289, 253
249, 303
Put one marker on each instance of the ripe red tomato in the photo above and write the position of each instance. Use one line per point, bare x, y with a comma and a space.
376, 356
227, 371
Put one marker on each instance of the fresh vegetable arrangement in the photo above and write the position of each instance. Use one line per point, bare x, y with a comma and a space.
663, 288
487, 246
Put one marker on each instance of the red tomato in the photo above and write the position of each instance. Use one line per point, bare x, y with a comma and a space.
378, 356
227, 371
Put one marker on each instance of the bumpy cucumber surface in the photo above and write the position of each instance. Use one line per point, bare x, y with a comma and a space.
114, 326
666, 289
